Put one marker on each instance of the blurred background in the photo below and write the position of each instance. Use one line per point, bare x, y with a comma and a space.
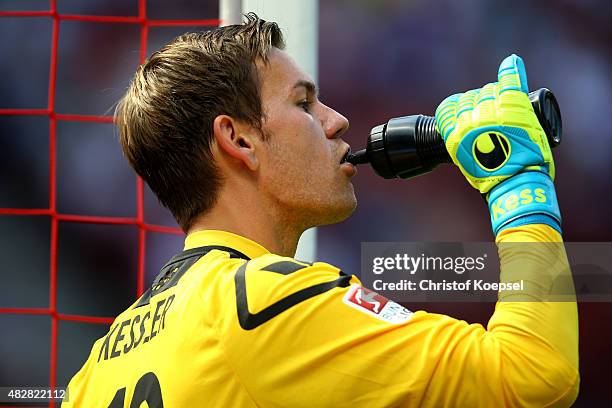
377, 60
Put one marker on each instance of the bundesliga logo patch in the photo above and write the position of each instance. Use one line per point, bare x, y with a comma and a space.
370, 302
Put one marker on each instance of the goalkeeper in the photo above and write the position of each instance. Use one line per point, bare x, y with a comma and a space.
229, 133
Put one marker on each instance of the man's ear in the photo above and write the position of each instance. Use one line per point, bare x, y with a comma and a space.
236, 139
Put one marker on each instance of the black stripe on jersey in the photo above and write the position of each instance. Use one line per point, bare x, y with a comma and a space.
284, 267
176, 267
249, 321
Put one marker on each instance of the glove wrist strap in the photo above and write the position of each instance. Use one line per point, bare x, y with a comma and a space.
526, 198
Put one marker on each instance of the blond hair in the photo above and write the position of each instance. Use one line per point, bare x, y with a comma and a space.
165, 119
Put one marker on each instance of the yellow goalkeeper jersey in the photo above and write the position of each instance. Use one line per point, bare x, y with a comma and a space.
228, 324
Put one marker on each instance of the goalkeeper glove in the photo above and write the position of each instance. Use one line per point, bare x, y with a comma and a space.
493, 135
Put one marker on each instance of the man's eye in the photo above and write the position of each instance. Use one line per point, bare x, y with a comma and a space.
305, 105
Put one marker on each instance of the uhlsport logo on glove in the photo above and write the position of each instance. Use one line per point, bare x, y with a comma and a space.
491, 150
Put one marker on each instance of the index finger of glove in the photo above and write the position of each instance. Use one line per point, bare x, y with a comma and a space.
446, 118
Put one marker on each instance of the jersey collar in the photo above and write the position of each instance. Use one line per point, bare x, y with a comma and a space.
216, 237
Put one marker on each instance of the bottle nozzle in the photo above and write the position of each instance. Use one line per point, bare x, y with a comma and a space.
360, 157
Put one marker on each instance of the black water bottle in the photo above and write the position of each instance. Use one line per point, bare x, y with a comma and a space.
409, 146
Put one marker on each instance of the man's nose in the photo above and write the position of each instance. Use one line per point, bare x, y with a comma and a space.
335, 124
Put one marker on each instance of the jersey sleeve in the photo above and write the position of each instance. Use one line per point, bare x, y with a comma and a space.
309, 335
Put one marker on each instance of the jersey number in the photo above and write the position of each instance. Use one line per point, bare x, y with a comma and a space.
147, 389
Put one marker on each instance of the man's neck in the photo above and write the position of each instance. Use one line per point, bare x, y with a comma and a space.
252, 219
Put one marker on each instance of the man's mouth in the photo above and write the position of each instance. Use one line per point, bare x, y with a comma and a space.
346, 155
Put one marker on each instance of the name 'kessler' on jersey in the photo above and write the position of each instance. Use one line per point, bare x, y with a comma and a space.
142, 328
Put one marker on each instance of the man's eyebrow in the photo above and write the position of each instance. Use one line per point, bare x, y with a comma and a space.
310, 86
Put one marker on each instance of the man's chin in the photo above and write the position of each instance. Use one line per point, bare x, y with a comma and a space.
337, 213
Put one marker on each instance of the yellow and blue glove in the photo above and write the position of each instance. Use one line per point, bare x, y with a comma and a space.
493, 135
